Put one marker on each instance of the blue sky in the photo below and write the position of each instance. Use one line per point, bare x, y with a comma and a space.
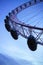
19, 48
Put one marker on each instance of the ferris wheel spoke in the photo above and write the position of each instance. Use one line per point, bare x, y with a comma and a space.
34, 15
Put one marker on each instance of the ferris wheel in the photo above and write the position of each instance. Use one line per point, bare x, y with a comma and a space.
33, 34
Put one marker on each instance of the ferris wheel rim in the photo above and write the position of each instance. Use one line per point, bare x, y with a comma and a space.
16, 11
19, 9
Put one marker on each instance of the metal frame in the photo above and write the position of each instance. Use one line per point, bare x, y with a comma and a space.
24, 29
